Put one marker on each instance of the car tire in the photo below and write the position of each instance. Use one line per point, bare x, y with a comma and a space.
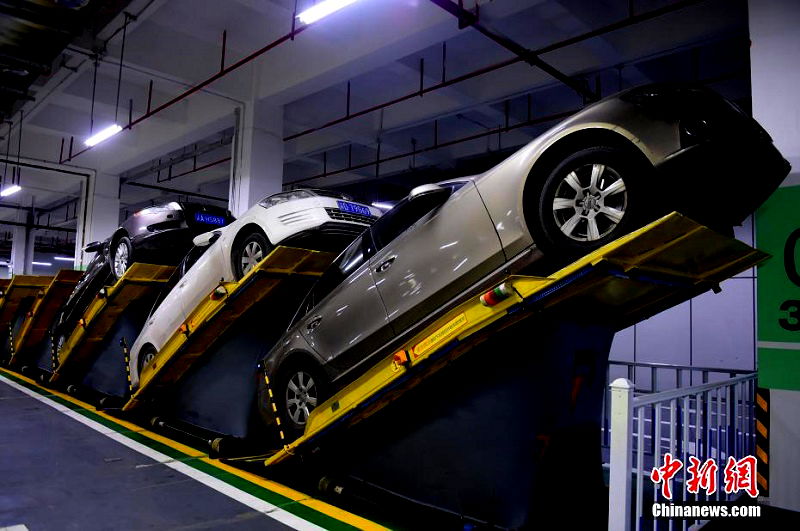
146, 356
61, 339
120, 257
299, 387
590, 198
248, 252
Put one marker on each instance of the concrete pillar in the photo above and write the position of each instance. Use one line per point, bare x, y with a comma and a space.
775, 77
98, 214
22, 245
257, 169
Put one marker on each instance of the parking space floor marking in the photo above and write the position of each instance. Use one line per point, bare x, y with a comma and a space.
281, 503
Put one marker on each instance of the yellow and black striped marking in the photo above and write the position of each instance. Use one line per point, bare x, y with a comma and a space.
10, 341
274, 408
762, 439
126, 358
53, 353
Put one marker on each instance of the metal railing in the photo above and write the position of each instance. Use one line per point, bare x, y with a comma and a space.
654, 377
711, 420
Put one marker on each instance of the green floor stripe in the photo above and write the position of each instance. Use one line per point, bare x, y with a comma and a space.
262, 493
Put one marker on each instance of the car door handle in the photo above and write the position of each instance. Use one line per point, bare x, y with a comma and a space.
386, 264
314, 323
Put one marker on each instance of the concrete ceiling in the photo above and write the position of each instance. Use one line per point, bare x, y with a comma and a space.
376, 46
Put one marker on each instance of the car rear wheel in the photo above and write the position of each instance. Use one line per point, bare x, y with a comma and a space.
592, 197
121, 256
249, 252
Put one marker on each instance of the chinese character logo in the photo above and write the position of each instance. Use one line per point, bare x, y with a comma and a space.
702, 477
741, 475
665, 473
738, 475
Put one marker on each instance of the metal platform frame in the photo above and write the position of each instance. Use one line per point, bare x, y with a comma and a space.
216, 313
38, 320
138, 281
623, 282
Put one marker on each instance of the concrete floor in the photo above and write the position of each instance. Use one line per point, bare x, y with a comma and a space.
56, 473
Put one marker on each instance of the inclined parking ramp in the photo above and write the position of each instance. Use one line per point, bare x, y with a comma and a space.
623, 282
95, 329
284, 271
37, 321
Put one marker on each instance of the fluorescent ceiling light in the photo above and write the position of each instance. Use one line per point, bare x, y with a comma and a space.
105, 134
382, 206
42, 263
65, 258
8, 190
322, 10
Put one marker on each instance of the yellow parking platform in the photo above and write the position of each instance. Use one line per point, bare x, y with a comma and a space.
38, 320
274, 275
138, 281
18, 289
619, 284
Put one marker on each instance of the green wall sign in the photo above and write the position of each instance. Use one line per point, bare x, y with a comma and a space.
778, 233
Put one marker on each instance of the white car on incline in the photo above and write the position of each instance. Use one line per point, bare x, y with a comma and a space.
309, 218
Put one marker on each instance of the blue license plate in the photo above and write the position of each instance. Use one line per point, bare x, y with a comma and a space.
209, 219
353, 208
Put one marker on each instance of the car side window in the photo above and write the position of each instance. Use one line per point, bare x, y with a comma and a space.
351, 259
395, 222
193, 256
171, 283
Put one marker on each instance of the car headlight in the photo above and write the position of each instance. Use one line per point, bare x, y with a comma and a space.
284, 197
159, 209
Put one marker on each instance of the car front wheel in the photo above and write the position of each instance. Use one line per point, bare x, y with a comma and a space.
299, 388
592, 197
249, 252
121, 256
146, 357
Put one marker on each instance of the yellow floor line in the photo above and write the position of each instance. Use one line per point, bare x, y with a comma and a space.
294, 495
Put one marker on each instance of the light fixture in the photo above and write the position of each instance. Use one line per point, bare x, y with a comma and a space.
65, 258
383, 206
105, 134
322, 10
42, 263
8, 190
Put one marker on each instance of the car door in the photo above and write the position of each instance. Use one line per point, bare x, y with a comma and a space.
347, 320
167, 314
202, 271
430, 251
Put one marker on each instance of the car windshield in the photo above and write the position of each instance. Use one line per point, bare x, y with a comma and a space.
332, 193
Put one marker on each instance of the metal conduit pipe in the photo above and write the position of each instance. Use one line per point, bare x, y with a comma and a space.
624, 23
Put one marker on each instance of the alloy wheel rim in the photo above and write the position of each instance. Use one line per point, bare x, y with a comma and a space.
301, 397
148, 357
590, 202
121, 260
60, 343
251, 256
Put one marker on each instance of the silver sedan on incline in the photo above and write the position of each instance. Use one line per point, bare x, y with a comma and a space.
594, 177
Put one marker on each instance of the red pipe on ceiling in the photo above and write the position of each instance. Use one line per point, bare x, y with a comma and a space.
628, 21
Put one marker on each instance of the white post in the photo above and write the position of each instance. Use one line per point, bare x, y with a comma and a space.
619, 491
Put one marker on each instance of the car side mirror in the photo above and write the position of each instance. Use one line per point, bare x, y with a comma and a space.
429, 191
207, 238
94, 247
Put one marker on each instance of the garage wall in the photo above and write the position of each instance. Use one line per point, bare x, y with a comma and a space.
712, 330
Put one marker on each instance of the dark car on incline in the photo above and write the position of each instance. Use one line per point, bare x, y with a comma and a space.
160, 234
